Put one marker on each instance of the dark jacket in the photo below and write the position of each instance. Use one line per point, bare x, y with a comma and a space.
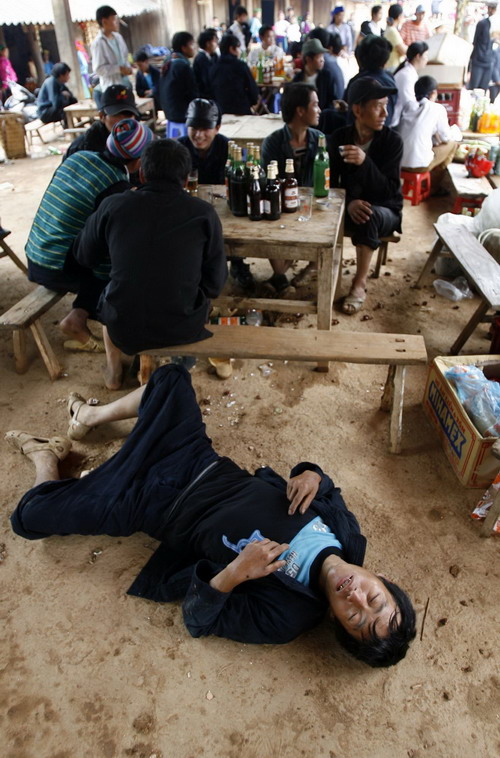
328, 85
51, 96
211, 166
141, 83
202, 67
276, 147
377, 179
274, 609
338, 77
167, 261
177, 87
483, 43
386, 80
233, 85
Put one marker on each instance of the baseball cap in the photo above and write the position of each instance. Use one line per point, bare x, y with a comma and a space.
420, 9
365, 88
313, 47
203, 114
118, 99
128, 139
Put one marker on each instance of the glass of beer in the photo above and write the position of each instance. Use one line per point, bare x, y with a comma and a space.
192, 184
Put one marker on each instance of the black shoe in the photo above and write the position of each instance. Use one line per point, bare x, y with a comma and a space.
3, 233
240, 272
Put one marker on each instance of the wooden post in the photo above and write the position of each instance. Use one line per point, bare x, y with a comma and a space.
36, 53
65, 36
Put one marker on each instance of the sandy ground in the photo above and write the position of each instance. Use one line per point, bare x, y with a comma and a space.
89, 672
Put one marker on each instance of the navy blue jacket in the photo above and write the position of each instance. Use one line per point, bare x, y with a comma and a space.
202, 67
177, 87
51, 96
328, 84
233, 85
276, 147
141, 83
211, 166
483, 43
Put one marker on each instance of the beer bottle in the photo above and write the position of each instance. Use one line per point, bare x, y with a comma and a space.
255, 204
290, 189
262, 173
272, 211
260, 71
321, 170
238, 186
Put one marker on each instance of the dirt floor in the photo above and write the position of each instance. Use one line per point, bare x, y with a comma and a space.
88, 672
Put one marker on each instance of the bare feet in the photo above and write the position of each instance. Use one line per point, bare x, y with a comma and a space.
75, 325
113, 376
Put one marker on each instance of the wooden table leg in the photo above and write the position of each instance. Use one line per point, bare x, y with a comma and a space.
148, 365
466, 332
20, 357
48, 356
69, 119
491, 517
325, 293
337, 260
396, 377
438, 246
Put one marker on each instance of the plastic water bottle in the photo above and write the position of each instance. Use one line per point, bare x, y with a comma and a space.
253, 317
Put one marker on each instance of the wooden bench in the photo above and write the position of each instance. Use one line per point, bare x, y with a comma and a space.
314, 345
382, 253
478, 265
26, 314
6, 251
35, 127
470, 192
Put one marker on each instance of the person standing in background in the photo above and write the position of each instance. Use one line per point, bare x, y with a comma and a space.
177, 82
109, 53
280, 29
481, 60
256, 24
237, 27
415, 30
392, 35
7, 73
47, 63
208, 43
406, 76
338, 26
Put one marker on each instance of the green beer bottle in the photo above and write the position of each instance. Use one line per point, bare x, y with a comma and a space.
321, 170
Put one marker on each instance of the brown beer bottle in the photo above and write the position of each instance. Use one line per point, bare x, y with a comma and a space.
290, 189
255, 204
272, 198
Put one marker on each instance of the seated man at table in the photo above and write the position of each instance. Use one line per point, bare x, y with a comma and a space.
117, 103
316, 73
267, 47
365, 160
331, 43
208, 42
54, 95
207, 147
256, 559
165, 269
233, 85
147, 78
426, 134
75, 191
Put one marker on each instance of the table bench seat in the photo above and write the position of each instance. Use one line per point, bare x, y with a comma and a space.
470, 192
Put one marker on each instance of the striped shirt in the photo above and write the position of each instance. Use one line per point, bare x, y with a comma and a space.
67, 203
413, 32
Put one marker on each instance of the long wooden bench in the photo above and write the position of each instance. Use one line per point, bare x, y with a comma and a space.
315, 345
26, 315
478, 265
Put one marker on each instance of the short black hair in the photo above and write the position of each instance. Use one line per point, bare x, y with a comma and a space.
205, 37
166, 159
295, 95
141, 57
239, 11
335, 43
416, 48
378, 651
424, 86
105, 11
227, 41
373, 52
180, 39
395, 11
319, 33
376, 9
264, 29
60, 69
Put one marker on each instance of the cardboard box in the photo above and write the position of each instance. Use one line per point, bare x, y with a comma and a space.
448, 49
446, 76
467, 450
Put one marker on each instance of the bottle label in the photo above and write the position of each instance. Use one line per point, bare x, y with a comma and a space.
262, 208
267, 207
327, 178
249, 207
292, 197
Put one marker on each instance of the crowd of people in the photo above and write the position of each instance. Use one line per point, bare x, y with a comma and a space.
150, 285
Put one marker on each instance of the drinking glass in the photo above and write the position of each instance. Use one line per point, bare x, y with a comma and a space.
192, 185
305, 203
205, 192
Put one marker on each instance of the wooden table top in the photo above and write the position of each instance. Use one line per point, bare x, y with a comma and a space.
320, 230
466, 186
250, 128
89, 108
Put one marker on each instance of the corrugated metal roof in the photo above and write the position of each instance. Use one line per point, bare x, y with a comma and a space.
40, 11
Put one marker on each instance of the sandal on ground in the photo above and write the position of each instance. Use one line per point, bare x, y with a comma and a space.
306, 277
352, 304
77, 430
93, 345
223, 367
27, 443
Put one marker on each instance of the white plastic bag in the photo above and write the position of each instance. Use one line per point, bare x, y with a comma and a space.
456, 290
479, 396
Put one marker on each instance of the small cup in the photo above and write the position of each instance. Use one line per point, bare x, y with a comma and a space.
305, 204
205, 192
192, 182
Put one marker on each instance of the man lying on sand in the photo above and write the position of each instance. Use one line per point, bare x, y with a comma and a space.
256, 558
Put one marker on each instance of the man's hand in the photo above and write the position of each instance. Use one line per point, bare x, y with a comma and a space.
353, 154
301, 491
125, 70
360, 211
257, 559
148, 93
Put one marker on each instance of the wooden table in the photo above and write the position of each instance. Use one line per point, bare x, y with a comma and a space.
470, 192
79, 114
319, 240
243, 129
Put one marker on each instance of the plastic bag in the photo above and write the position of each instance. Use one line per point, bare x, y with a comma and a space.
456, 290
484, 505
479, 396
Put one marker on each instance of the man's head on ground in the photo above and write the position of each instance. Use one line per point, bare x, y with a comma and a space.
492, 9
61, 72
166, 160
417, 54
313, 56
117, 103
203, 119
426, 87
183, 43
266, 34
240, 14
107, 18
374, 618
127, 141
373, 52
376, 13
299, 104
367, 99
338, 14
230, 45
208, 41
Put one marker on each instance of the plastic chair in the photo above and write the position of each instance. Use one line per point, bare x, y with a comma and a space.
416, 187
176, 130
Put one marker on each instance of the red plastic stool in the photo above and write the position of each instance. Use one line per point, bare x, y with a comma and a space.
416, 187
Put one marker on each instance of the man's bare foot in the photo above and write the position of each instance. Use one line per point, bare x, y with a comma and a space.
113, 377
74, 325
